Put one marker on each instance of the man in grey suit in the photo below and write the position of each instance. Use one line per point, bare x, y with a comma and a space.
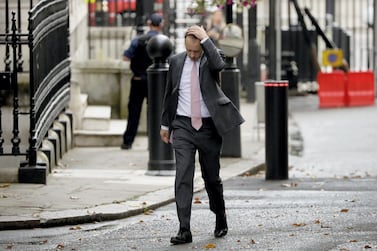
217, 116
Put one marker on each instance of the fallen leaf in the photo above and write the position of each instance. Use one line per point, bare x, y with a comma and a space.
4, 185
246, 174
253, 242
344, 210
197, 201
60, 246
9, 246
353, 240
293, 184
75, 228
148, 212
74, 197
90, 212
298, 224
210, 246
238, 241
3, 196
367, 246
317, 222
43, 242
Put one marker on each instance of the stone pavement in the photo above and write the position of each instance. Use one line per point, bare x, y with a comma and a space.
95, 184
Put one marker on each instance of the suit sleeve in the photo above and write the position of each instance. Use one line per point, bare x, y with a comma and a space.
167, 94
215, 57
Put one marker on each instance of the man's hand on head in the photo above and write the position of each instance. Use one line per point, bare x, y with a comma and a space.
198, 32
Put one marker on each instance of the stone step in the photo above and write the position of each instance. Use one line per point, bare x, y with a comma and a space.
96, 118
101, 138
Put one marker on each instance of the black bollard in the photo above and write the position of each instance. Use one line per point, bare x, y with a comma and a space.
230, 81
276, 119
161, 156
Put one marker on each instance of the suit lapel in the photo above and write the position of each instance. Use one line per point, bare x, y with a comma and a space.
177, 75
203, 60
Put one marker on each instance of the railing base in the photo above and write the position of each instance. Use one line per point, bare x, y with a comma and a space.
32, 174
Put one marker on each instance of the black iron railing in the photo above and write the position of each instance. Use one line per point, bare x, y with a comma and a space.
47, 42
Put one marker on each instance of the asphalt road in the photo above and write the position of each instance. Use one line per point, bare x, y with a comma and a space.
296, 214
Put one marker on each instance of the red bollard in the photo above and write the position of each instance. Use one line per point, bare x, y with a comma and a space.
360, 88
332, 89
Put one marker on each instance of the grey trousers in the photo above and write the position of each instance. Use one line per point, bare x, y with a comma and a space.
186, 142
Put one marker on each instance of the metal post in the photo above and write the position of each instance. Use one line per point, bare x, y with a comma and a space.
330, 12
139, 17
161, 157
253, 70
274, 43
230, 82
276, 117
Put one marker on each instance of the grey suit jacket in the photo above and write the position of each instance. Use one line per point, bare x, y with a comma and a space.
223, 112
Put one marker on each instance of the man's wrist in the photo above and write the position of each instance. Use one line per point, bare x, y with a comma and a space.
203, 40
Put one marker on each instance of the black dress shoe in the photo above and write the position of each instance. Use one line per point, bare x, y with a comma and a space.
183, 236
221, 226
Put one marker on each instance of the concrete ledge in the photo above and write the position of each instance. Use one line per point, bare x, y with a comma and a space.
111, 137
97, 118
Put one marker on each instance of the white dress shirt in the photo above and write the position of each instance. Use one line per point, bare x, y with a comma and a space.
184, 92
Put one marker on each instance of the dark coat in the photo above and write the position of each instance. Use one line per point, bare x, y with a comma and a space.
224, 113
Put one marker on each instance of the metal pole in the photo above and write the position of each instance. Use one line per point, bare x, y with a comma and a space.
139, 17
272, 41
161, 156
230, 82
276, 117
253, 56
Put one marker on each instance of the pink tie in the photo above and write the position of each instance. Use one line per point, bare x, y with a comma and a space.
196, 117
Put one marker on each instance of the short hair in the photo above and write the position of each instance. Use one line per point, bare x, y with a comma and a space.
190, 35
